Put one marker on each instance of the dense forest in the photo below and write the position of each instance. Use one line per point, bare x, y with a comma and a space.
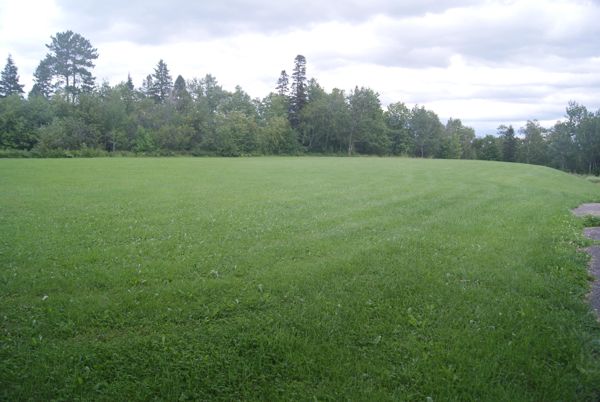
68, 114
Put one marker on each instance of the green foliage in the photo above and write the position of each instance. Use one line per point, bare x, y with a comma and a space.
533, 149
465, 137
299, 95
509, 143
277, 137
282, 278
199, 117
487, 148
366, 131
161, 83
283, 84
236, 134
426, 131
9, 79
43, 85
180, 95
397, 120
17, 122
70, 59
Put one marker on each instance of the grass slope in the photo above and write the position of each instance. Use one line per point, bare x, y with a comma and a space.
293, 278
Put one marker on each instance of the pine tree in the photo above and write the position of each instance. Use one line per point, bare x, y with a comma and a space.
299, 96
9, 81
283, 84
128, 94
43, 85
70, 58
163, 82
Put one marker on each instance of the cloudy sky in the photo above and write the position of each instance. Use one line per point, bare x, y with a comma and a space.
487, 62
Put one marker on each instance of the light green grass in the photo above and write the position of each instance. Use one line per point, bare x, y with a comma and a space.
293, 279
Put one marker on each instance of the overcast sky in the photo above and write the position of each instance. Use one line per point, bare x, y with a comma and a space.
486, 62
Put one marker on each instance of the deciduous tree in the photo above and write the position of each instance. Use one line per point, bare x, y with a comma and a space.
509, 143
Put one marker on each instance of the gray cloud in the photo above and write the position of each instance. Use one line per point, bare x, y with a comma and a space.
156, 22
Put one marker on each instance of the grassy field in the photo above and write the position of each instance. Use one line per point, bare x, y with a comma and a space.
294, 279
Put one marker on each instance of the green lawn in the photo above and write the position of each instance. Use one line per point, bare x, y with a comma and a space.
293, 279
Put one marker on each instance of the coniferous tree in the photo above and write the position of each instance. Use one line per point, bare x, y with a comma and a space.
9, 79
43, 85
283, 84
162, 82
71, 57
128, 95
298, 96
129, 83
148, 86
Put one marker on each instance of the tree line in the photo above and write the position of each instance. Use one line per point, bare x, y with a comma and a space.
67, 114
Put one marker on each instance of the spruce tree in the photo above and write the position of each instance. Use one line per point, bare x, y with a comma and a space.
163, 82
298, 97
283, 84
9, 79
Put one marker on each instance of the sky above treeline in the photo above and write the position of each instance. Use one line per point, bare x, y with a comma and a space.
487, 62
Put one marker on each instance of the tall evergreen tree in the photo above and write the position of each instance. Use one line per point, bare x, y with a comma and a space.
71, 57
163, 82
283, 84
42, 77
129, 83
9, 79
299, 96
148, 86
128, 95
